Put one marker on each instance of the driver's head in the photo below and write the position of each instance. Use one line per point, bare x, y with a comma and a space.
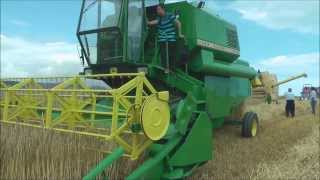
161, 10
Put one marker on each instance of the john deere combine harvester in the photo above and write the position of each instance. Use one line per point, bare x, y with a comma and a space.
169, 116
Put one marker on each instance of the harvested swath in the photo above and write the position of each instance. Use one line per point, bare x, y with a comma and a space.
301, 162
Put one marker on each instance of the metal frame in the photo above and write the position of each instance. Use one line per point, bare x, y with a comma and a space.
72, 107
123, 13
123, 25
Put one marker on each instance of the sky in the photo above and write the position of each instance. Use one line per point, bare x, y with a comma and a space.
279, 36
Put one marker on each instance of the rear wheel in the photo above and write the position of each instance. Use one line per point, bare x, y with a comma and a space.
250, 124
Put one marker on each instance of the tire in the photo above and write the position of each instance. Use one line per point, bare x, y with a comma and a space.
250, 124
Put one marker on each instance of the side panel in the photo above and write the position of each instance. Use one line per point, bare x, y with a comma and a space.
223, 93
217, 35
200, 136
208, 31
205, 62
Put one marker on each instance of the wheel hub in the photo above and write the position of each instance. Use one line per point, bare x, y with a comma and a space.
155, 117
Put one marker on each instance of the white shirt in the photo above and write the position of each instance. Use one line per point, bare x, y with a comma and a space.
289, 96
313, 95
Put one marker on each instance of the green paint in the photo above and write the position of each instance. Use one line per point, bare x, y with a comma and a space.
198, 144
136, 128
103, 121
180, 173
205, 62
199, 24
223, 93
116, 154
184, 113
269, 99
154, 161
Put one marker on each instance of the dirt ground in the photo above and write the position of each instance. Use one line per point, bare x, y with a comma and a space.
285, 148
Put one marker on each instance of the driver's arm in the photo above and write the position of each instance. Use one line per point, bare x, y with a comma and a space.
178, 26
153, 22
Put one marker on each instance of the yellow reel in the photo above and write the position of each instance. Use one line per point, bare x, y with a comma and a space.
155, 116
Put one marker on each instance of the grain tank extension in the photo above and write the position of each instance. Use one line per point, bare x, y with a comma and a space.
171, 116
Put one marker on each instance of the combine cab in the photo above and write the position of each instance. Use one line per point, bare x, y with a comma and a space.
142, 108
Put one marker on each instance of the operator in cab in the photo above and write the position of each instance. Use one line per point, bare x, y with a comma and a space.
167, 25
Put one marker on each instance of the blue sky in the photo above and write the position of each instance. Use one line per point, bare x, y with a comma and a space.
38, 37
46, 20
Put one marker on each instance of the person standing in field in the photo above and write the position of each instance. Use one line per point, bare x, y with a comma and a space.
313, 100
269, 98
290, 105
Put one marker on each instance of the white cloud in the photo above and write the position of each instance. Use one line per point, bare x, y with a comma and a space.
300, 16
20, 23
20, 57
288, 65
300, 61
284, 63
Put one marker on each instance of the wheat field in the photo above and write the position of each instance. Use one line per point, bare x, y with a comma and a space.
285, 148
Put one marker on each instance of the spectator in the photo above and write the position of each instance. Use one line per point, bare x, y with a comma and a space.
167, 25
313, 100
290, 105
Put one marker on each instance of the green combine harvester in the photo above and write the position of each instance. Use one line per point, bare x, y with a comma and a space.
204, 90
169, 117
